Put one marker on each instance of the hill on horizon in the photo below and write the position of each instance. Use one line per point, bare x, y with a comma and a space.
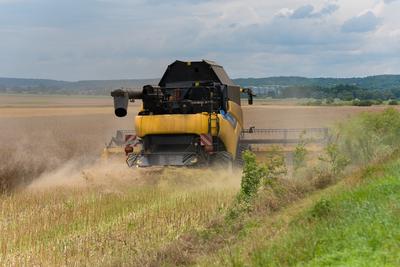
84, 87
103, 87
388, 81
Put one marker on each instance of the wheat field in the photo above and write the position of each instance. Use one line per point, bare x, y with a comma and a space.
63, 206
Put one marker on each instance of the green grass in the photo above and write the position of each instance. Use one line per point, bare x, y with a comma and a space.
356, 227
352, 223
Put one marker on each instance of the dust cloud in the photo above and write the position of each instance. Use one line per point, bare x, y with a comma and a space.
64, 151
44, 150
115, 175
31, 147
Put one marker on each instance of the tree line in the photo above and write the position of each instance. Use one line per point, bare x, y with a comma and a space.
342, 92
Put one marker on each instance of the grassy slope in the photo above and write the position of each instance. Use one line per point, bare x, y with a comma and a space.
350, 224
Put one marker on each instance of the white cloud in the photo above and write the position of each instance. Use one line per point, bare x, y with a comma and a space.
363, 23
308, 11
302, 12
73, 39
284, 12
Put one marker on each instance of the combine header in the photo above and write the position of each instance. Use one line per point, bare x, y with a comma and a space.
193, 117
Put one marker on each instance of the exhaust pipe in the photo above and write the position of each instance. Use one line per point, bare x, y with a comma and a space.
121, 100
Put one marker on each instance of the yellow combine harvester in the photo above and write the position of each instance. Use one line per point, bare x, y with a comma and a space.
193, 117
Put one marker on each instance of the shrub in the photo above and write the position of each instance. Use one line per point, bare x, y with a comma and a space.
330, 101
251, 178
362, 103
369, 136
275, 165
299, 155
393, 102
256, 176
322, 177
322, 208
314, 103
335, 159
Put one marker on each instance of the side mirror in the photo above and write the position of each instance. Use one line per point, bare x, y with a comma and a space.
250, 99
249, 93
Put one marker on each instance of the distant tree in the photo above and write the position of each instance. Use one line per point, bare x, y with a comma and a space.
362, 103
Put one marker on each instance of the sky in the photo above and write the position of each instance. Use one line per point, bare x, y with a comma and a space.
134, 39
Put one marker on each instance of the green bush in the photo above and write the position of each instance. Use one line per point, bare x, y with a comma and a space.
253, 173
314, 103
322, 208
276, 166
330, 101
362, 103
393, 102
336, 160
369, 136
255, 177
251, 178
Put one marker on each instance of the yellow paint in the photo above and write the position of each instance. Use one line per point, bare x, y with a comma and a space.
172, 124
229, 135
236, 111
190, 124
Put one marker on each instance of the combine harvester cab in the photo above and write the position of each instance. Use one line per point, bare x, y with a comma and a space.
192, 118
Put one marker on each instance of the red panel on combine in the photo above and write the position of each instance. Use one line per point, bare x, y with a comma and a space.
130, 138
206, 140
